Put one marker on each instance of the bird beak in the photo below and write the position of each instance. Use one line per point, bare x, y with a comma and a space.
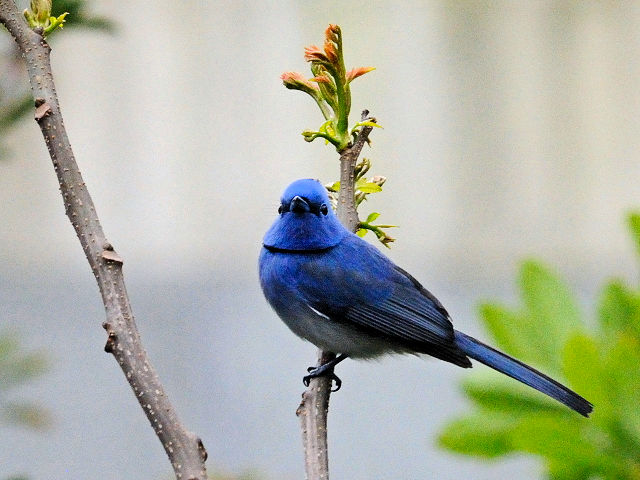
299, 205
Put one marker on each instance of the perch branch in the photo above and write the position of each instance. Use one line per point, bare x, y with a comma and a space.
314, 408
185, 450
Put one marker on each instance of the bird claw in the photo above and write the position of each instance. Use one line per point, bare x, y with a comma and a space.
337, 381
322, 371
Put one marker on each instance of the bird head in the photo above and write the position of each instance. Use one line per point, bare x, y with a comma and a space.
305, 219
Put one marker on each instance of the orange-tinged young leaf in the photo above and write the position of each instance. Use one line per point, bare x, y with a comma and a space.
358, 72
314, 54
320, 79
296, 81
332, 39
332, 32
330, 51
292, 77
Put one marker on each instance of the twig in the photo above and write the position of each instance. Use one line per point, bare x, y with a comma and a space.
347, 212
314, 408
185, 450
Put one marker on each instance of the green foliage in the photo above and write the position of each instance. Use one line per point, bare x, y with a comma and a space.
548, 307
548, 331
378, 230
38, 15
48, 16
634, 224
17, 368
363, 187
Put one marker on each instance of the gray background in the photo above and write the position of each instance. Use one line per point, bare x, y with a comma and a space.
511, 130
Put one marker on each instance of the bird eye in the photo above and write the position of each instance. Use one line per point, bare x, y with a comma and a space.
280, 209
324, 209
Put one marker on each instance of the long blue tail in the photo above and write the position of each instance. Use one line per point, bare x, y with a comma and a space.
503, 363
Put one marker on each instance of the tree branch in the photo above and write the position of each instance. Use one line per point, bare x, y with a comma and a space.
185, 450
347, 212
314, 408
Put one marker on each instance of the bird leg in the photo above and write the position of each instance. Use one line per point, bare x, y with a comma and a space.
325, 370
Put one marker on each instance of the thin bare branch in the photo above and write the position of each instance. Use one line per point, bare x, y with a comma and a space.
312, 412
185, 450
347, 212
314, 408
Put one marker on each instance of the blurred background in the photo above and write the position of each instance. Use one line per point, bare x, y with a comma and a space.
511, 129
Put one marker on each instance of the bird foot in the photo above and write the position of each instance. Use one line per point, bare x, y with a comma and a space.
325, 370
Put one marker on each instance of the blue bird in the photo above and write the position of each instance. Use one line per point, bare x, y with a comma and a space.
340, 293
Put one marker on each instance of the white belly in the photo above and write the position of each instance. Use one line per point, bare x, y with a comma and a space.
335, 336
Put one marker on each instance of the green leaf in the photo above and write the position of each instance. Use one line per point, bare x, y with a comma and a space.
481, 434
583, 368
368, 124
621, 371
558, 470
367, 187
327, 127
27, 415
633, 219
603, 366
17, 367
551, 308
372, 217
506, 327
624, 440
9, 346
619, 309
493, 391
361, 232
569, 441
13, 111
537, 333
55, 23
14, 371
370, 188
552, 436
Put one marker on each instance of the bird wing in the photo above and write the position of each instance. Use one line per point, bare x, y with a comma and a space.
406, 315
413, 317
370, 292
